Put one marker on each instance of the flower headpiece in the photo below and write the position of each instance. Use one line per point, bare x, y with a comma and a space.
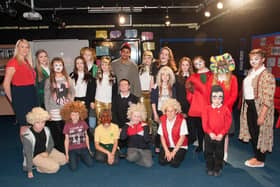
217, 65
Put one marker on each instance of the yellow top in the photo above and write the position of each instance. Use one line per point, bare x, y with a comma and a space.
106, 135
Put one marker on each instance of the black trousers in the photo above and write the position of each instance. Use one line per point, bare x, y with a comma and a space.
196, 131
179, 157
252, 117
56, 128
214, 153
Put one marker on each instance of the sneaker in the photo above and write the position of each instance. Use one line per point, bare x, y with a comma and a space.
217, 173
121, 154
254, 164
210, 172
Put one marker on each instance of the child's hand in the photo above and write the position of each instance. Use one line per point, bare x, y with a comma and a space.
111, 158
156, 118
173, 153
45, 154
92, 105
212, 136
144, 124
67, 157
30, 175
219, 137
260, 120
91, 154
168, 155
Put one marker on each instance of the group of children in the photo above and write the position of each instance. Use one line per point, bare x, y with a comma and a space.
117, 108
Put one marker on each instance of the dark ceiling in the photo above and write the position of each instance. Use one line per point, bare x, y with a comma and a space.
76, 12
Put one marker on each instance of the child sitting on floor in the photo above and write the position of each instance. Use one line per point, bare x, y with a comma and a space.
216, 121
38, 145
137, 133
76, 138
106, 138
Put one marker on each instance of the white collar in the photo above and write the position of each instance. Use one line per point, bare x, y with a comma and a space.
214, 107
258, 71
124, 96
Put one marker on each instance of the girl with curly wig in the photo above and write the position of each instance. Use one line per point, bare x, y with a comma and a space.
136, 131
38, 145
76, 138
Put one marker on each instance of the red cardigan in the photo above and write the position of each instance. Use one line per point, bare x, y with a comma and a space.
230, 95
175, 130
217, 121
197, 99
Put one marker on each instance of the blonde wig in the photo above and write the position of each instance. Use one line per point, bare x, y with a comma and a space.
139, 107
171, 80
74, 106
171, 103
37, 114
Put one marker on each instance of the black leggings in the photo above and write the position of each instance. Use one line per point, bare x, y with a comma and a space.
176, 161
196, 131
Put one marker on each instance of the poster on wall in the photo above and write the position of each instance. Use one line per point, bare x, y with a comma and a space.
271, 44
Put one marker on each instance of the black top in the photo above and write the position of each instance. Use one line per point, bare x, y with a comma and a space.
137, 141
181, 94
120, 107
40, 142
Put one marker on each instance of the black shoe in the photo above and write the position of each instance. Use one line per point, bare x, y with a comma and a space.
121, 154
210, 172
198, 149
217, 173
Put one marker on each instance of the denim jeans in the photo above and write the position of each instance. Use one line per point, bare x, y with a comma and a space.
75, 155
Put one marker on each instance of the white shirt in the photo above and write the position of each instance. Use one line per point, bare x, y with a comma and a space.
248, 89
104, 90
169, 126
80, 86
145, 80
163, 98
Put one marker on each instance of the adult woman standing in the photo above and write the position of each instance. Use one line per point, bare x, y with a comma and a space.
42, 72
19, 82
257, 112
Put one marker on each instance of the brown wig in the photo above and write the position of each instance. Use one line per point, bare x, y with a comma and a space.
180, 71
38, 64
93, 53
99, 75
73, 106
75, 71
258, 51
171, 62
53, 73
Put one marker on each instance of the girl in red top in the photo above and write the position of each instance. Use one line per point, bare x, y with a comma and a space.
19, 83
196, 94
222, 67
216, 120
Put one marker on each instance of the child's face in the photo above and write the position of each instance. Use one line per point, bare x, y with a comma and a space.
147, 60
88, 56
43, 59
57, 66
256, 61
124, 86
165, 77
170, 113
217, 98
164, 56
199, 63
125, 54
135, 117
185, 66
105, 67
105, 119
38, 126
80, 65
75, 116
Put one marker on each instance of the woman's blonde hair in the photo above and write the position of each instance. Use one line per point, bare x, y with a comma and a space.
28, 57
74, 106
37, 114
171, 103
171, 80
139, 107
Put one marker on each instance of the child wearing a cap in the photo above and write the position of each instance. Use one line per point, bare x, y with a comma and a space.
38, 145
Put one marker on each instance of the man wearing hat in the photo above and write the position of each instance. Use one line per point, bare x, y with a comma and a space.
124, 68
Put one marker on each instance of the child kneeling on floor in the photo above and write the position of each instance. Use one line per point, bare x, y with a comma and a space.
137, 133
38, 145
216, 121
76, 138
106, 138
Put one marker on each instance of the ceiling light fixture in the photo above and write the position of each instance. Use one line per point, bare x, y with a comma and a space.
207, 14
220, 5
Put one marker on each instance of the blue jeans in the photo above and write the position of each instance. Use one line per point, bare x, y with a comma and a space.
74, 156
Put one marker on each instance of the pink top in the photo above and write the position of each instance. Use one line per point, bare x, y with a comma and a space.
24, 73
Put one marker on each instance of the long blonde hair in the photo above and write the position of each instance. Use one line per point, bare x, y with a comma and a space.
171, 80
28, 57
